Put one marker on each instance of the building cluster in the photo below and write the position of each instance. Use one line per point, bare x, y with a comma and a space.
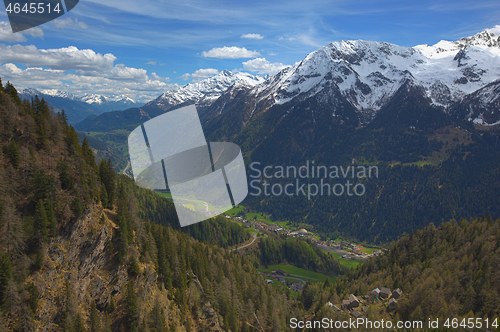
359, 306
279, 276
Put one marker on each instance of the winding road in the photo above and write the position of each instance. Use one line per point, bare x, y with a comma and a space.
246, 245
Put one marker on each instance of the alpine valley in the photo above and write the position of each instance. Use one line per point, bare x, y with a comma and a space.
83, 248
426, 116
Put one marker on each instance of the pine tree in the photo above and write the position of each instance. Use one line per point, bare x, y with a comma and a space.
6, 274
65, 178
131, 307
95, 324
40, 221
104, 197
51, 219
63, 118
88, 154
108, 178
12, 92
13, 152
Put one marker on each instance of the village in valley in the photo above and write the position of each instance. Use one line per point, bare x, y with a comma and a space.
343, 250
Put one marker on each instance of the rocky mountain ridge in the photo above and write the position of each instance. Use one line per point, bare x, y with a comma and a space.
368, 73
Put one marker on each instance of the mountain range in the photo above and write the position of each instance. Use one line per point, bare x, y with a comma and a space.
459, 78
78, 108
427, 116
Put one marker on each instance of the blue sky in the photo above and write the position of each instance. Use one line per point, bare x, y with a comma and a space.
142, 48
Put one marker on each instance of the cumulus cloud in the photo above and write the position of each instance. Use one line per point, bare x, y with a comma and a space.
495, 30
69, 23
62, 58
146, 89
232, 52
200, 74
204, 73
155, 77
7, 35
262, 66
252, 36
78, 71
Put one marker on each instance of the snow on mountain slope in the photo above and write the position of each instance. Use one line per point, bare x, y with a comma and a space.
206, 91
368, 73
93, 99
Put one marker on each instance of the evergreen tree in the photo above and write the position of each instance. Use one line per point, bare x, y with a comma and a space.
131, 307
40, 221
108, 178
77, 206
13, 152
51, 219
63, 118
104, 197
12, 92
65, 178
88, 154
95, 324
6, 274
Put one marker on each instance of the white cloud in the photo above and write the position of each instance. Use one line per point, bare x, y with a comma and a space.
78, 71
7, 35
252, 36
146, 89
495, 30
200, 74
61, 58
232, 52
262, 66
35, 32
204, 73
69, 23
155, 77
152, 63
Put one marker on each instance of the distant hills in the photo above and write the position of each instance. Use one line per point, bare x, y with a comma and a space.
78, 108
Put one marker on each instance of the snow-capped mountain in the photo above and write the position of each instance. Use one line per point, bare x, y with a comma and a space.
93, 99
204, 92
79, 107
368, 73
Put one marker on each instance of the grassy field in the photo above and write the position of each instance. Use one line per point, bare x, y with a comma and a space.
301, 273
346, 262
259, 216
235, 211
167, 195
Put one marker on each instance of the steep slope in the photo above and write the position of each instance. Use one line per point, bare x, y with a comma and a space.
76, 256
481, 107
445, 272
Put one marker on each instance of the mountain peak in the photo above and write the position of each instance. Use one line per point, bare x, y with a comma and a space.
205, 91
484, 38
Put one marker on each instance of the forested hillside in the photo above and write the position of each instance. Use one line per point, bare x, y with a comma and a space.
84, 250
450, 271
